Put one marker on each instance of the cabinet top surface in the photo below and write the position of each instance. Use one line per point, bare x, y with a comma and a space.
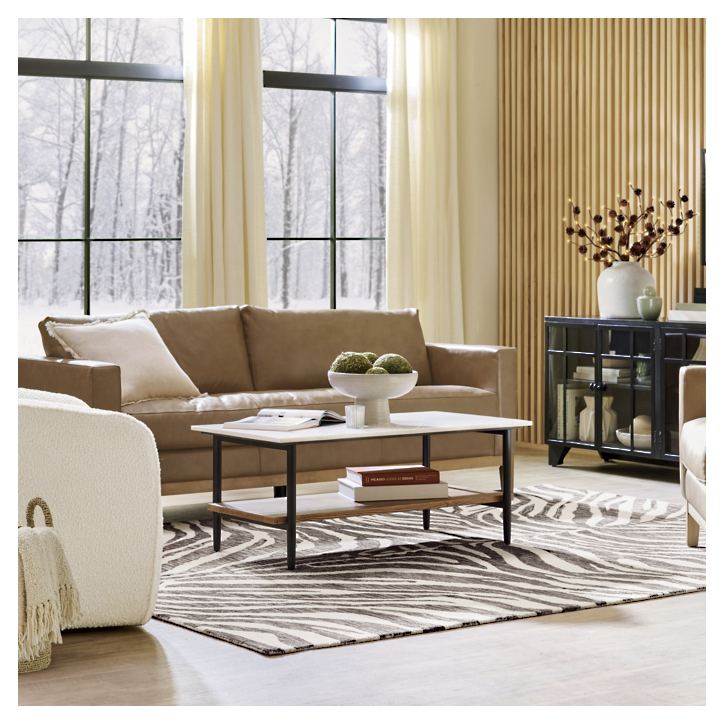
624, 322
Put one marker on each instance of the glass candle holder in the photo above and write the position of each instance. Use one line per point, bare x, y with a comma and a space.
355, 416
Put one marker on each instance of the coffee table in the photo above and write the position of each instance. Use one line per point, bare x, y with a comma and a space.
286, 509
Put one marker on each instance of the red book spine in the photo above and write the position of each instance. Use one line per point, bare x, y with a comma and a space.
381, 479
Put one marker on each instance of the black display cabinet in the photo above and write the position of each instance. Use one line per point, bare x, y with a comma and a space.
601, 375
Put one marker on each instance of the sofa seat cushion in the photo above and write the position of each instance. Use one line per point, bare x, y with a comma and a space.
195, 464
293, 349
692, 447
171, 420
695, 492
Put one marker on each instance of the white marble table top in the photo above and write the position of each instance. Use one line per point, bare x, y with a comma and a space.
401, 424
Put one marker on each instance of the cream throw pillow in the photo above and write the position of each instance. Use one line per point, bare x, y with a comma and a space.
148, 369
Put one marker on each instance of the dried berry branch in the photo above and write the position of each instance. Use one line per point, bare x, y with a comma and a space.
630, 231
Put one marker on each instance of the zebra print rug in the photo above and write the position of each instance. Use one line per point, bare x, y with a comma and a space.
375, 577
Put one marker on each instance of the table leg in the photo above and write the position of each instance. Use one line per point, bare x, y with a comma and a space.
507, 483
216, 494
426, 462
291, 506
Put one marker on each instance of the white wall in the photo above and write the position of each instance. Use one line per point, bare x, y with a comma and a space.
478, 176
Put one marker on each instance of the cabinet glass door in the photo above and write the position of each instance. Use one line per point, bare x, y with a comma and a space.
681, 347
627, 403
571, 365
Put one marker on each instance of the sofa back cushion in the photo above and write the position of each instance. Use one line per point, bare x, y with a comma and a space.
208, 343
293, 349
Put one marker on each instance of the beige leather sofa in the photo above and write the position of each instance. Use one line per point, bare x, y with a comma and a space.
246, 358
692, 448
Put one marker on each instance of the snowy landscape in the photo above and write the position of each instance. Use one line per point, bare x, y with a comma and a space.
135, 172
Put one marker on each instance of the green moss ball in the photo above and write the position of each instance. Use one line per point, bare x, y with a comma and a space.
376, 371
395, 364
350, 362
372, 356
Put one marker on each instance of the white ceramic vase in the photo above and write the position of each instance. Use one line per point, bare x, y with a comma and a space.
609, 420
586, 420
619, 286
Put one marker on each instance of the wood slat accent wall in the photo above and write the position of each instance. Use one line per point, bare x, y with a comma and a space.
585, 107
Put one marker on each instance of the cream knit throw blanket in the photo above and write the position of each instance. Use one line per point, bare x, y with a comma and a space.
48, 598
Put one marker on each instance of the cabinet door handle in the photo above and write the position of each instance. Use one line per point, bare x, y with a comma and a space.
592, 386
602, 387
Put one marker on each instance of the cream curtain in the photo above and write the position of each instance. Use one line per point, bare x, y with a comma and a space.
424, 256
223, 233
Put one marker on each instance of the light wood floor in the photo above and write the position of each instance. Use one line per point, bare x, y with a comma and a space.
643, 653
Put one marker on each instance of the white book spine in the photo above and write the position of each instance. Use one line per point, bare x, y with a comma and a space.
360, 494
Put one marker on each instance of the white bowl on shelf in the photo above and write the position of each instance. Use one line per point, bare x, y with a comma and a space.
373, 391
642, 441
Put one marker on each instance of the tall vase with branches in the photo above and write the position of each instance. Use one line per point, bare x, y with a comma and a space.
620, 238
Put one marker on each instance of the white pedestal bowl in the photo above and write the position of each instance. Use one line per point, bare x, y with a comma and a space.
373, 391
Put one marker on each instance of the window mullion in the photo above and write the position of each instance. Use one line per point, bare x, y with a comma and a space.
333, 200
87, 182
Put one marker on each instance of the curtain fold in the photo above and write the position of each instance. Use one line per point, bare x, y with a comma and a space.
423, 240
223, 231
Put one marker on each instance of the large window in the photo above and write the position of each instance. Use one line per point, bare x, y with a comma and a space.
100, 122
324, 148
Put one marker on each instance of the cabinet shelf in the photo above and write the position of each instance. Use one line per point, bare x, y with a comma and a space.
584, 384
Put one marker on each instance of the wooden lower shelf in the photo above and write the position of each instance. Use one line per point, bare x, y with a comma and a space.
318, 506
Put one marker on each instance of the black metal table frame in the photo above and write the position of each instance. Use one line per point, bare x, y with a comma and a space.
290, 490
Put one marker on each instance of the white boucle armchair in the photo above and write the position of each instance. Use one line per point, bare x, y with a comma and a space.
99, 472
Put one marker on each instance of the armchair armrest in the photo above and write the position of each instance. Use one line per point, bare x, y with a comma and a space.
692, 393
489, 367
96, 383
99, 472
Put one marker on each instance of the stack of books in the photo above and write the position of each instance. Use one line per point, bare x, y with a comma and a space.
609, 374
392, 483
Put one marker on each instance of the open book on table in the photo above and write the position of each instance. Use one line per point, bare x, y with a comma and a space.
286, 419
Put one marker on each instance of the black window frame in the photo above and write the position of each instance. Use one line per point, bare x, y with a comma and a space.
334, 84
89, 70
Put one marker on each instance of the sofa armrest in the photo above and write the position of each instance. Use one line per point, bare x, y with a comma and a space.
488, 367
95, 383
692, 393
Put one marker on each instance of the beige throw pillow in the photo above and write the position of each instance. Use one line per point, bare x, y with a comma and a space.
148, 370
